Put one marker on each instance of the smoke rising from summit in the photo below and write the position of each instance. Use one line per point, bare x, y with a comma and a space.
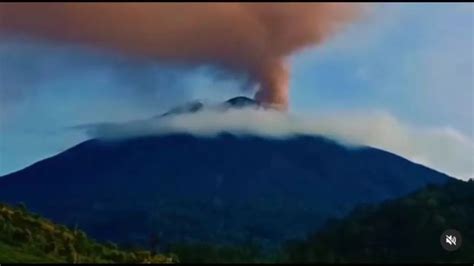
255, 39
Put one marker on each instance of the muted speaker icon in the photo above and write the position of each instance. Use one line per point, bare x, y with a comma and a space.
451, 240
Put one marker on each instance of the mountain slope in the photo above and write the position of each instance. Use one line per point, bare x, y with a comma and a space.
405, 230
223, 189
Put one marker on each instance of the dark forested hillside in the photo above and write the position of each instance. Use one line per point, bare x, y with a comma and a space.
402, 230
29, 238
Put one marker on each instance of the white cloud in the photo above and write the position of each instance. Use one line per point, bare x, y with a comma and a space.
443, 149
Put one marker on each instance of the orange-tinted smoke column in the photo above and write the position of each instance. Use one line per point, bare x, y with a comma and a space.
244, 37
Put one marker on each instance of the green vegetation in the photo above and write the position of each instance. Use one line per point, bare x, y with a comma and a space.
28, 238
398, 231
405, 230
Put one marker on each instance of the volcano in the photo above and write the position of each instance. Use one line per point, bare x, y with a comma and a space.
222, 189
233, 103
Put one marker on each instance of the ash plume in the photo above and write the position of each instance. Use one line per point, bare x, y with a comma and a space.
255, 39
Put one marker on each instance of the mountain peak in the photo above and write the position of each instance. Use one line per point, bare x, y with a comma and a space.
242, 101
233, 103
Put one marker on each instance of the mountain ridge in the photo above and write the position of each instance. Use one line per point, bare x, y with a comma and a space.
237, 102
243, 186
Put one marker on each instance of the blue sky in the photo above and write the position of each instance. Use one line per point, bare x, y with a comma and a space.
414, 61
